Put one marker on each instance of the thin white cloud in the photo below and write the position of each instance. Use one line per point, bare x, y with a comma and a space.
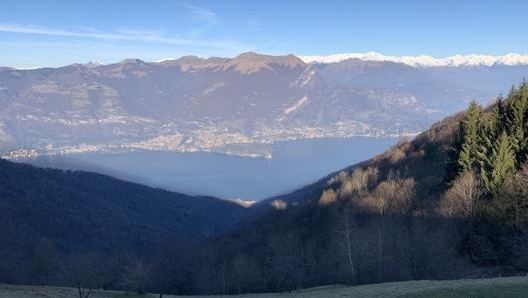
30, 29
201, 13
151, 36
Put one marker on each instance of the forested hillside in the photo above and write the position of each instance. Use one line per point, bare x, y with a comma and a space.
490, 188
47, 215
451, 203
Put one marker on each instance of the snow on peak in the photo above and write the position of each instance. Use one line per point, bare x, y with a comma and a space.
94, 63
425, 60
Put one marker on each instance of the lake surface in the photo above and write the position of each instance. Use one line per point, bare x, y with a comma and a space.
294, 164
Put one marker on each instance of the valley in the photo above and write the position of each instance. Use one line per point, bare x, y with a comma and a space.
255, 149
296, 175
417, 211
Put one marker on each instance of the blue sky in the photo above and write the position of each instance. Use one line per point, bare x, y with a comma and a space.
55, 33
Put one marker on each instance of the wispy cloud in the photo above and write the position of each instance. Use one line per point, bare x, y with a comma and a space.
92, 33
150, 36
201, 14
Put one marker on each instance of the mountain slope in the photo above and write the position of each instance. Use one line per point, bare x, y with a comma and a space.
439, 97
81, 210
194, 104
189, 104
451, 203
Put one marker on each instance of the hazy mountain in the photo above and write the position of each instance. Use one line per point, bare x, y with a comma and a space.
493, 79
190, 104
440, 82
231, 104
440, 97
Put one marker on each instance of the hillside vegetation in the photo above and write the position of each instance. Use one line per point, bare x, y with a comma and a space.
47, 215
452, 203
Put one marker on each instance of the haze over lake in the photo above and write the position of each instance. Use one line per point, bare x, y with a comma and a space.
293, 165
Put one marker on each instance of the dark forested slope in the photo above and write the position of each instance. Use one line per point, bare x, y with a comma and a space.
90, 211
450, 203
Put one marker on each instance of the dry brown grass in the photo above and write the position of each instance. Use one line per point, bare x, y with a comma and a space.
386, 290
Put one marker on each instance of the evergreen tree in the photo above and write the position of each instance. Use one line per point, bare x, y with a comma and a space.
489, 131
498, 117
517, 105
500, 112
468, 157
500, 164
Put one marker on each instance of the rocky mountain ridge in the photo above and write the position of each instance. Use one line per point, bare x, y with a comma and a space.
190, 104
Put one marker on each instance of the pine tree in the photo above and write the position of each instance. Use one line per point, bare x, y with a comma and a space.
500, 112
500, 164
517, 105
489, 131
498, 117
468, 157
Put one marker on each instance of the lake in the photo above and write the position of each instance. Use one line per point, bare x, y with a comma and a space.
294, 164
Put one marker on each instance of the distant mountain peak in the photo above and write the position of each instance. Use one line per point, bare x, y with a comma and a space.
94, 63
250, 62
285, 59
191, 62
425, 60
244, 63
133, 61
190, 59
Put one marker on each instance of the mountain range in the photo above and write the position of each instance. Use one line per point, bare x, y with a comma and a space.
425, 60
450, 203
228, 105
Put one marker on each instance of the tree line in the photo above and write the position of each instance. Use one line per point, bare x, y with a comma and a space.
490, 180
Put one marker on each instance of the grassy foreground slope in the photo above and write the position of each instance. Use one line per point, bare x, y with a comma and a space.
507, 287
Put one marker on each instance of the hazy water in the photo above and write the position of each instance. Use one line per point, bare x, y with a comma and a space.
294, 164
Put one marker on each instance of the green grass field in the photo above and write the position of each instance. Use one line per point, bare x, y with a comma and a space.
510, 287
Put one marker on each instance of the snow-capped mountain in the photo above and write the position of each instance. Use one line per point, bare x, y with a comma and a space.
94, 63
425, 60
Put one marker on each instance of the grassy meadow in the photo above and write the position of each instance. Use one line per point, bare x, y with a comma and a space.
507, 287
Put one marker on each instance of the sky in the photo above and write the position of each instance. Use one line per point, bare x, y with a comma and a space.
55, 33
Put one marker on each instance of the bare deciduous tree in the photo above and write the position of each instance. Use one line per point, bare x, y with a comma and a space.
344, 230
381, 195
462, 198
279, 204
514, 194
83, 271
402, 199
357, 183
136, 274
328, 197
